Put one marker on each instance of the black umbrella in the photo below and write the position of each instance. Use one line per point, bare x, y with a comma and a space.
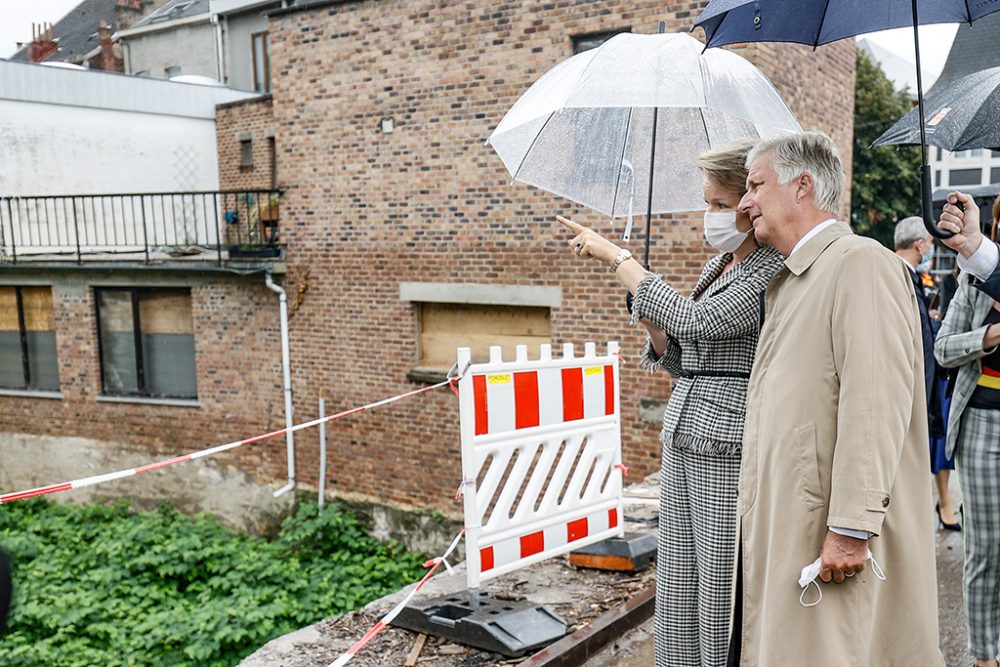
964, 114
816, 22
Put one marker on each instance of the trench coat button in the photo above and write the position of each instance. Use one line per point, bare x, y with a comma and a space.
885, 501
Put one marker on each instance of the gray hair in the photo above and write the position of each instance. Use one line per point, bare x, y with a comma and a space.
908, 232
814, 152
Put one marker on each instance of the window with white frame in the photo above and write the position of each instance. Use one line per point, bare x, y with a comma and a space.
260, 47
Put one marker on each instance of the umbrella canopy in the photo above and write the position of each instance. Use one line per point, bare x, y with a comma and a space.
619, 128
964, 114
815, 22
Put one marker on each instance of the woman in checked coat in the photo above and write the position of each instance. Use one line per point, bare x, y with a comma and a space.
706, 341
968, 340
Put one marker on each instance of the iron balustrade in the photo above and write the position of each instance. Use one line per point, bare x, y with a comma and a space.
217, 226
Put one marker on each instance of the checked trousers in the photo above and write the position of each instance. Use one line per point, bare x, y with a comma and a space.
977, 458
695, 557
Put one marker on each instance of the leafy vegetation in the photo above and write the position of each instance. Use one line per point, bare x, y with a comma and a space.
101, 585
885, 187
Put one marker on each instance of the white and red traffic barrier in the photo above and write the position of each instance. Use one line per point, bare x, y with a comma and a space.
541, 456
109, 477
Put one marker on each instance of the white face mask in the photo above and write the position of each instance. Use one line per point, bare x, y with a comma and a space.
721, 232
810, 575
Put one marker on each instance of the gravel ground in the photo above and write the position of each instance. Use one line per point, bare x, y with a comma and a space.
576, 595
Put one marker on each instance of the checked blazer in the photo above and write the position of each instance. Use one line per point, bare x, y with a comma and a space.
959, 344
715, 329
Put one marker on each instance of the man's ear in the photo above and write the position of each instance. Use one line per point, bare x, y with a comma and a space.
804, 186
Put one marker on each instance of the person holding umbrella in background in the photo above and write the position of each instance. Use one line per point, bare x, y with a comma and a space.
977, 255
706, 341
968, 341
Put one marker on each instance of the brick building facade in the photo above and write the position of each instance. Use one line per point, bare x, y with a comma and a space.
370, 216
395, 241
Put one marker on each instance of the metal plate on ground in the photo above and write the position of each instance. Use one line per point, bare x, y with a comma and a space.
501, 626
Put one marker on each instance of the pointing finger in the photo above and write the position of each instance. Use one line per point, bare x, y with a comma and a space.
574, 227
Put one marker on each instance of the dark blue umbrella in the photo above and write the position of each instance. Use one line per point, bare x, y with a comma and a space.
816, 22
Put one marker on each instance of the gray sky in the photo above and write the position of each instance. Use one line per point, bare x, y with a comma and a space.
16, 17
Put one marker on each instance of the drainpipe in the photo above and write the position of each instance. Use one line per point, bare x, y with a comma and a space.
220, 71
286, 367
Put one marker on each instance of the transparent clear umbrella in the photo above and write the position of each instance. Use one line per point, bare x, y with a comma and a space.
618, 128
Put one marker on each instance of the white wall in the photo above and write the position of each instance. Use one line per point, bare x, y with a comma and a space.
984, 160
52, 150
190, 47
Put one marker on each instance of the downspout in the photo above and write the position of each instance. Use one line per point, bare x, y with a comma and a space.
218, 48
286, 367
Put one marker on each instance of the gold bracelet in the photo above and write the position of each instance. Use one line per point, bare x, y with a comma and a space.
623, 256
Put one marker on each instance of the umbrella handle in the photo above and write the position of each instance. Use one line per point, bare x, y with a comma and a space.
928, 205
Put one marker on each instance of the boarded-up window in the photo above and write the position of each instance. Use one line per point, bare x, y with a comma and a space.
147, 342
444, 327
27, 339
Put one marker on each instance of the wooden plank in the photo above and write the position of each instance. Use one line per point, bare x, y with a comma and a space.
414, 654
445, 327
166, 312
8, 309
37, 303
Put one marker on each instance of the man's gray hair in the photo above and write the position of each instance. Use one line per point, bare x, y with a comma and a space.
908, 232
795, 154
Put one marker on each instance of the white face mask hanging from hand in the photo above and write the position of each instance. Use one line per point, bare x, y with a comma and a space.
721, 232
810, 575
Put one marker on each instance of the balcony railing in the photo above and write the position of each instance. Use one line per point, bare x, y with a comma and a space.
216, 226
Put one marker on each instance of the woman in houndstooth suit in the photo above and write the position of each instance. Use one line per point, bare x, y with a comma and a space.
706, 341
968, 340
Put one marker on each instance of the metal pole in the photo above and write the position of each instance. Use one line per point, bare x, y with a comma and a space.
322, 453
926, 198
652, 168
76, 228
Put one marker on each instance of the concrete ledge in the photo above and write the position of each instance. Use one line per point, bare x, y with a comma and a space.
173, 402
27, 393
478, 293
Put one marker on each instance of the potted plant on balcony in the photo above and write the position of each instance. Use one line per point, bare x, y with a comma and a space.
269, 210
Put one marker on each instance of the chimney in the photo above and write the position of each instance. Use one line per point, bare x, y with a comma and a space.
107, 59
43, 42
128, 12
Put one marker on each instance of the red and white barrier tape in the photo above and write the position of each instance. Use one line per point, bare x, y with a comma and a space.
434, 564
109, 477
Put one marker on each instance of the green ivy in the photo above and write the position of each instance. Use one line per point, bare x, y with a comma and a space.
101, 585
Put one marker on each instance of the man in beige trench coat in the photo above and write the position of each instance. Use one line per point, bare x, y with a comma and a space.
835, 443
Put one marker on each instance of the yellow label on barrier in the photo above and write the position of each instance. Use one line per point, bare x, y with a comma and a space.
499, 378
593, 370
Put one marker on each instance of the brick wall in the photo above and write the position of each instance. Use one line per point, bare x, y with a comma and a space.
365, 211
252, 119
238, 361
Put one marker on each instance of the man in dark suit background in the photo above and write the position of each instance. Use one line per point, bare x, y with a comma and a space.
916, 248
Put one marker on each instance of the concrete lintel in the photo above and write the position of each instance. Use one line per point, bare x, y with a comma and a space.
478, 293
244, 136
136, 273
